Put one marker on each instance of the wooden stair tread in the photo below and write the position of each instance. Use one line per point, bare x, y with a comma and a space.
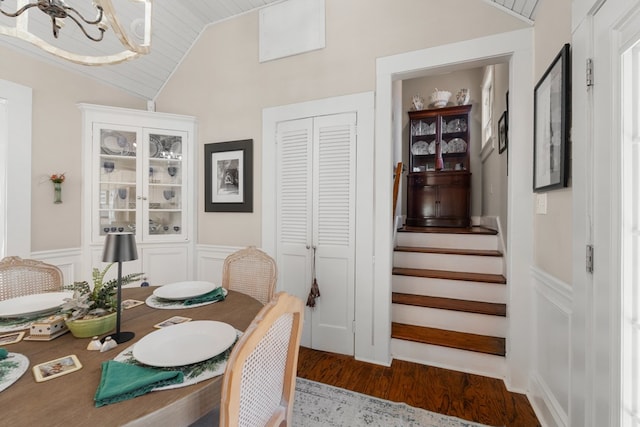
452, 339
479, 307
449, 230
450, 275
450, 251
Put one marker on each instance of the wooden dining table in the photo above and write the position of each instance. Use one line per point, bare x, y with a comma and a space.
68, 400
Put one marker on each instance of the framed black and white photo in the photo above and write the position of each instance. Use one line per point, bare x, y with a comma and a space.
503, 133
229, 176
552, 113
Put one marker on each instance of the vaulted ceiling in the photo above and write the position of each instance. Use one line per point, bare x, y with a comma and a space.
177, 24
524, 8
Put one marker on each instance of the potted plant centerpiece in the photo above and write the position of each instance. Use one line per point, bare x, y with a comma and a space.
92, 312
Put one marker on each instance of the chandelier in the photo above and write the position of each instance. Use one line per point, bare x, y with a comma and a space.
94, 29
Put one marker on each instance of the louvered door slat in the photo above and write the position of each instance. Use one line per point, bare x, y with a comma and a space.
335, 165
294, 181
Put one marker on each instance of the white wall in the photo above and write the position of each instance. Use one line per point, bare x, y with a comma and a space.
222, 83
56, 144
551, 272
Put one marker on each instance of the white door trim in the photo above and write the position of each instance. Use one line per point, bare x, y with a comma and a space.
362, 104
15, 170
517, 46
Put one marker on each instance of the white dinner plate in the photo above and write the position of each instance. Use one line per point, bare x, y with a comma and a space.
457, 145
115, 143
155, 147
184, 290
185, 343
419, 148
444, 147
31, 305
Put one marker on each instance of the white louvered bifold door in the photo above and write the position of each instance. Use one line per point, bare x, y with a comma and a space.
333, 232
316, 221
294, 143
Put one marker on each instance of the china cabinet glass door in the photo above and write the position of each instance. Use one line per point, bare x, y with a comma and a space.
140, 183
117, 184
165, 183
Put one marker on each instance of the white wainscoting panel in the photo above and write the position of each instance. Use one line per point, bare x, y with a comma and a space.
67, 260
550, 377
209, 261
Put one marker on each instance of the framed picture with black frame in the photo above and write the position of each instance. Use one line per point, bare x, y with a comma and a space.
503, 133
228, 171
552, 116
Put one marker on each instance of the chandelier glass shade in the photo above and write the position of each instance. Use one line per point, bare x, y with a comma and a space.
93, 29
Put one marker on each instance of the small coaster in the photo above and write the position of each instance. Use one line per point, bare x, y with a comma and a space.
56, 368
130, 303
172, 321
45, 337
11, 338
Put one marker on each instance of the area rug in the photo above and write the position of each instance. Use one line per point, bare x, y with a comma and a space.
319, 404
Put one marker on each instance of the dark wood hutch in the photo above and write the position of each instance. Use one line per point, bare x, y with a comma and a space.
439, 182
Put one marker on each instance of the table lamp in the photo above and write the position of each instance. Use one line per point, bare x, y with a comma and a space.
120, 247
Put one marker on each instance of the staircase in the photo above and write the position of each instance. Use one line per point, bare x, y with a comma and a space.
449, 299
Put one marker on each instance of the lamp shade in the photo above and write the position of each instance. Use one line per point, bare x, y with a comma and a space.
119, 247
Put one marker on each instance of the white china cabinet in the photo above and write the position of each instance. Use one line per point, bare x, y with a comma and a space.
139, 174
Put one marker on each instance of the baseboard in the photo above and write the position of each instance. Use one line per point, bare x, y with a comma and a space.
547, 408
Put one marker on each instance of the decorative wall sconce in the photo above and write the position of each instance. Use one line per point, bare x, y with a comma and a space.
57, 180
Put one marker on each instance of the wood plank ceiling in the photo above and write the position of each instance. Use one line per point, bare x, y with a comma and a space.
177, 24
524, 8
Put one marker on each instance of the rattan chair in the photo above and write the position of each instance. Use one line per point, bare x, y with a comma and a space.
260, 378
252, 272
20, 277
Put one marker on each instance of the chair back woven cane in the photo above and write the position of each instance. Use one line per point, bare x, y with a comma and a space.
252, 272
260, 378
19, 277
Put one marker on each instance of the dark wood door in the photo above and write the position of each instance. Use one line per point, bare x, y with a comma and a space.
439, 199
453, 201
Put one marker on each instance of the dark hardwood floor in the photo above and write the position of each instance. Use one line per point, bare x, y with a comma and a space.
470, 397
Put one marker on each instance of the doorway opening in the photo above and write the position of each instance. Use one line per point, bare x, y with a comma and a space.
516, 49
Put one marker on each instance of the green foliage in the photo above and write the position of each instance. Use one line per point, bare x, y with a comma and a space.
100, 300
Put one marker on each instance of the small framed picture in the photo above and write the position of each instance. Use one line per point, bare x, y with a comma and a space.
11, 338
130, 303
56, 368
172, 321
503, 133
228, 171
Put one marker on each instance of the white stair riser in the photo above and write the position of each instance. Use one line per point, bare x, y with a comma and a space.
473, 323
448, 262
458, 289
450, 241
450, 358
